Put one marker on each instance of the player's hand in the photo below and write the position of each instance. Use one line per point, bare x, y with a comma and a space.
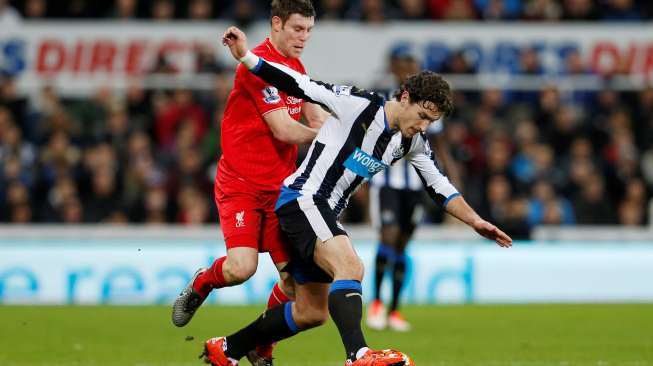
489, 231
236, 40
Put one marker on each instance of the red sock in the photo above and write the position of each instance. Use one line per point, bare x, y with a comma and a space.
210, 279
277, 297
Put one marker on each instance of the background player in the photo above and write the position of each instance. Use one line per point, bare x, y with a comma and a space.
361, 140
397, 203
258, 133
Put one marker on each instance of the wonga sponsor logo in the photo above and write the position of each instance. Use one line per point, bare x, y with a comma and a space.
363, 164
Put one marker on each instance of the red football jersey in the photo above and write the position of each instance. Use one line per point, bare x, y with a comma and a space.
249, 150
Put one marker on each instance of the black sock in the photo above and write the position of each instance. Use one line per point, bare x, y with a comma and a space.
383, 254
346, 309
398, 274
273, 325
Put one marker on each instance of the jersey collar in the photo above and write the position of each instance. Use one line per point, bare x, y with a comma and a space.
385, 120
270, 46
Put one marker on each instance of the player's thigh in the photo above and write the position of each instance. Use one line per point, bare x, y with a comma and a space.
338, 258
240, 219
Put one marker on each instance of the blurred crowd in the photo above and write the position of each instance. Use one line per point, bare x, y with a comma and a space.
149, 156
526, 158
372, 11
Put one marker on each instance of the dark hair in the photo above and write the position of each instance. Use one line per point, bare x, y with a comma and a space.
285, 8
428, 86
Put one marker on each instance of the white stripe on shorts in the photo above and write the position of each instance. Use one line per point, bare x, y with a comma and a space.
315, 218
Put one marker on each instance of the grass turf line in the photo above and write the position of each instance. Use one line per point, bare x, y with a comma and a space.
467, 335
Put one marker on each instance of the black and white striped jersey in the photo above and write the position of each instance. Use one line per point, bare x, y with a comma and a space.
402, 175
353, 144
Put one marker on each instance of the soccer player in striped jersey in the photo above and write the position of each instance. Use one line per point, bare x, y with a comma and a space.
364, 136
397, 203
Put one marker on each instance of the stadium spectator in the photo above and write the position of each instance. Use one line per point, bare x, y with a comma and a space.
13, 146
244, 12
457, 63
124, 9
331, 9
547, 208
452, 9
73, 211
413, 10
63, 192
17, 197
156, 206
498, 9
643, 119
35, 9
370, 11
162, 10
103, 201
632, 213
193, 206
591, 205
79, 9
621, 10
499, 205
12, 105
180, 113
543, 10
200, 9
9, 16
579, 10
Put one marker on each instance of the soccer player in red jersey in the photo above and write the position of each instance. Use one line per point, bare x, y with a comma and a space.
259, 132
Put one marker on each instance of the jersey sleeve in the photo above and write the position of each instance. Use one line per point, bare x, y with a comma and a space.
338, 99
265, 96
437, 185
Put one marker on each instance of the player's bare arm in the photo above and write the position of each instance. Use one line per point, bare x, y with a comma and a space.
286, 129
283, 127
314, 115
441, 147
459, 209
236, 40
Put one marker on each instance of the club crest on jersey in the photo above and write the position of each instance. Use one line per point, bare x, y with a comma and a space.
427, 149
363, 164
240, 218
398, 153
342, 90
271, 95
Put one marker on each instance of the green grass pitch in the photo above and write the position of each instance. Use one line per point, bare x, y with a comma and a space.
473, 335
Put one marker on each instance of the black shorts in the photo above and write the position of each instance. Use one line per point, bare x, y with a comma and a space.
402, 207
303, 222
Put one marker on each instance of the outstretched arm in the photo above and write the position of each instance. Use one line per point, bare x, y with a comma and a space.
289, 80
443, 192
458, 208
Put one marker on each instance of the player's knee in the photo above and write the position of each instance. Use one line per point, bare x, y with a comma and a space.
310, 317
352, 269
240, 272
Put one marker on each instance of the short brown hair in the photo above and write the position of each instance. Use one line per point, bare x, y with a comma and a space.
428, 86
285, 8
